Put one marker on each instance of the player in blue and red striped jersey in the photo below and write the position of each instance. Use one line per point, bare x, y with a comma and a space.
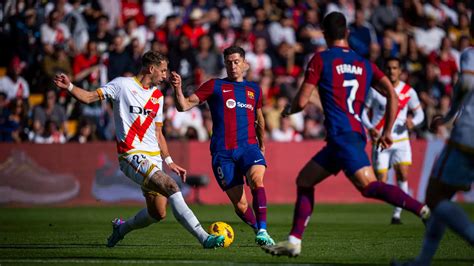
343, 79
238, 130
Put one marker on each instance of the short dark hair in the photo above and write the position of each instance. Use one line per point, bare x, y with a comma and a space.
393, 58
234, 50
335, 26
152, 58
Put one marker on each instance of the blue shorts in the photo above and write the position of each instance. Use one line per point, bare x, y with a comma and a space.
454, 167
344, 152
231, 166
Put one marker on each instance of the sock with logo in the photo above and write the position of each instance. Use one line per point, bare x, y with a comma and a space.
260, 207
249, 218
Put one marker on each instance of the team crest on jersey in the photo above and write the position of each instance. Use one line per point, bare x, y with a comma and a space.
154, 100
230, 103
251, 95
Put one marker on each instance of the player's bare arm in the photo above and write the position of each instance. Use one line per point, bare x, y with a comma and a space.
384, 86
63, 82
260, 129
182, 103
165, 153
301, 99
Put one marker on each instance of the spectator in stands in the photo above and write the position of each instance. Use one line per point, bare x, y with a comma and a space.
56, 62
194, 29
440, 11
26, 37
53, 134
7, 127
101, 35
85, 67
362, 34
85, 132
259, 61
183, 61
120, 61
285, 133
428, 39
346, 7
310, 34
169, 32
209, 61
77, 25
147, 32
461, 29
282, 31
414, 62
49, 110
312, 129
13, 84
19, 118
55, 33
132, 9
245, 35
224, 36
232, 11
445, 59
385, 15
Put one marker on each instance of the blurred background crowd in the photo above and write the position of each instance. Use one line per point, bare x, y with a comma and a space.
96, 41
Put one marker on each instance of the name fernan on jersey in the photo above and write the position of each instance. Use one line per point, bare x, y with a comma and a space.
347, 68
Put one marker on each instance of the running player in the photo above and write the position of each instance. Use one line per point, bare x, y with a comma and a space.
454, 169
138, 116
237, 141
398, 155
343, 79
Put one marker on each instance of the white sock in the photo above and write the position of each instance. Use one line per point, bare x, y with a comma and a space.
294, 240
403, 185
140, 220
186, 217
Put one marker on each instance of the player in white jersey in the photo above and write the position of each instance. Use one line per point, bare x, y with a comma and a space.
454, 169
138, 116
399, 154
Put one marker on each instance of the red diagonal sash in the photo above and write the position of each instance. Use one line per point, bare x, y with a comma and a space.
402, 102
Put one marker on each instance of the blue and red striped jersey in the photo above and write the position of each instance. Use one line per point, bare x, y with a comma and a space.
343, 79
233, 108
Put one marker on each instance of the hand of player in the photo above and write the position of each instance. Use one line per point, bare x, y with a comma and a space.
436, 122
175, 80
385, 141
178, 170
286, 110
374, 134
62, 81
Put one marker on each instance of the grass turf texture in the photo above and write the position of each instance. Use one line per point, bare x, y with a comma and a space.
336, 235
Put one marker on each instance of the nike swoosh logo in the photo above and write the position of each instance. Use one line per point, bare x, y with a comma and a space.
256, 161
226, 90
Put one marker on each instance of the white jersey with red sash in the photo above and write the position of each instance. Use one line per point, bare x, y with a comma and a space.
136, 110
407, 99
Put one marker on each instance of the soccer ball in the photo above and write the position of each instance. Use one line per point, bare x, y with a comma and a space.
222, 229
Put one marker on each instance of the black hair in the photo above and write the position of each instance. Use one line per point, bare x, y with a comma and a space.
393, 58
234, 50
335, 26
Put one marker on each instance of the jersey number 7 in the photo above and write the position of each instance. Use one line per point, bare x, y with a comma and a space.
354, 84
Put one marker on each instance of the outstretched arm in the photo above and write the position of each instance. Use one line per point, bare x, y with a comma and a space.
301, 99
166, 155
62, 81
182, 103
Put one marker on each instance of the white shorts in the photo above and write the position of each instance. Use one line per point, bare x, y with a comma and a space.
139, 166
398, 154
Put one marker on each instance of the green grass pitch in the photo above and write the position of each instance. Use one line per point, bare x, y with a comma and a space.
336, 235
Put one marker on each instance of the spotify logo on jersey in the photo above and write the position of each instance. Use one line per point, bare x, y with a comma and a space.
230, 103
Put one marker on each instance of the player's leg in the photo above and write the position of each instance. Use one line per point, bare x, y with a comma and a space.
259, 202
401, 171
165, 185
231, 181
364, 180
237, 196
311, 174
145, 171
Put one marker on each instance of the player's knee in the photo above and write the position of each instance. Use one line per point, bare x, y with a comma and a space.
241, 207
158, 214
303, 182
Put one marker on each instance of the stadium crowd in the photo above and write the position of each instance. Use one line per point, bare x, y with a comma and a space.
99, 40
